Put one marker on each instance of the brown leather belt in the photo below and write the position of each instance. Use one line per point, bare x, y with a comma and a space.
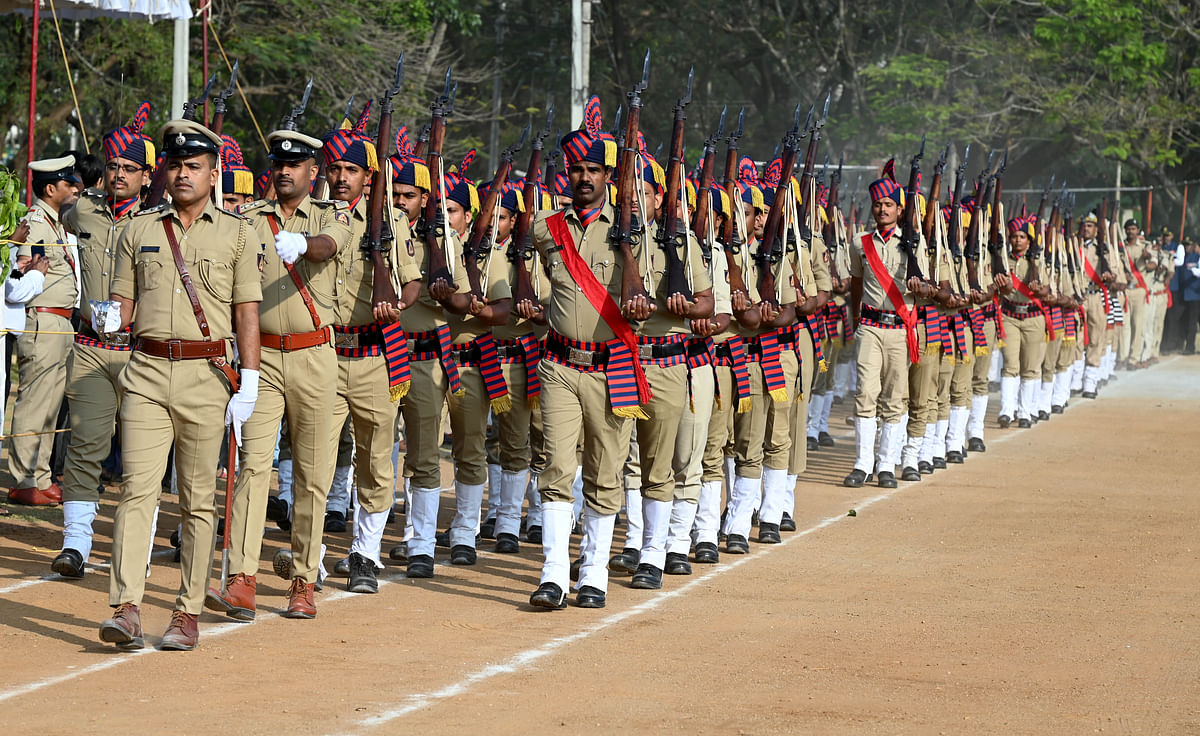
295, 340
64, 313
181, 349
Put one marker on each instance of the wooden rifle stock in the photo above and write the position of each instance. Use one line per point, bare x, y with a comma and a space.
670, 235
382, 289
433, 226
730, 238
909, 225
520, 251
482, 227
628, 181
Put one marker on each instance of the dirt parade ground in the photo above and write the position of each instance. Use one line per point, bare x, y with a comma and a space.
1049, 585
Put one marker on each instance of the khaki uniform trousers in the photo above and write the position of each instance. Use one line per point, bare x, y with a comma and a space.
1024, 346
981, 363
575, 405
1050, 355
656, 436
823, 380
882, 373
1156, 313
164, 402
922, 385
1134, 334
806, 372
519, 430
93, 390
363, 395
720, 425
345, 444
422, 410
777, 435
692, 438
297, 385
954, 380
42, 367
1097, 324
468, 428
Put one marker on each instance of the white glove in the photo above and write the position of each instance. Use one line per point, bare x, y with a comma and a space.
290, 246
241, 404
106, 316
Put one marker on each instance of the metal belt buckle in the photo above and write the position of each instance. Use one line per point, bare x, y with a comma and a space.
646, 352
581, 357
347, 340
120, 339
174, 349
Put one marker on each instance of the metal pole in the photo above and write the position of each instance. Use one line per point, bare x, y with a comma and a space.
179, 70
1183, 214
1149, 210
494, 138
1119, 217
581, 39
33, 60
204, 47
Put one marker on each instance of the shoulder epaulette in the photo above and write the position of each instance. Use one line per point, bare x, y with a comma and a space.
234, 213
337, 204
35, 215
152, 210
244, 208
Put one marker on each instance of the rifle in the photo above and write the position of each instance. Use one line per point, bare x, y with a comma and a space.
1035, 249
158, 182
320, 186
622, 235
521, 251
219, 106
423, 139
1051, 234
832, 231
550, 179
704, 204
382, 288
997, 243
669, 234
971, 249
955, 239
909, 226
770, 251
1102, 240
482, 227
729, 236
932, 210
806, 177
432, 227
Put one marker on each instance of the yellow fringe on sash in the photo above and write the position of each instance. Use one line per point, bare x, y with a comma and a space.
744, 405
951, 358
1068, 339
460, 392
823, 367
502, 404
1001, 343
400, 390
534, 402
779, 394
933, 348
630, 412
983, 350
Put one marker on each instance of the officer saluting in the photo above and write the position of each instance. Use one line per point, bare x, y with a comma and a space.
189, 269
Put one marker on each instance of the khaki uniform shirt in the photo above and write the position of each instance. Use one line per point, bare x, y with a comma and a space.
518, 326
282, 310
895, 260
662, 322
1156, 267
355, 269
570, 313
426, 314
1029, 274
1091, 254
60, 290
220, 250
783, 283
493, 280
92, 221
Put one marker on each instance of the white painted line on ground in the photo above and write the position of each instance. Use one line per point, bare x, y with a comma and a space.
55, 576
528, 657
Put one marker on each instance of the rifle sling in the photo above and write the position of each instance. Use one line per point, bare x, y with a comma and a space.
276, 228
198, 311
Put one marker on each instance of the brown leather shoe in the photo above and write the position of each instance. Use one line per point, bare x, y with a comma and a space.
33, 497
182, 634
54, 493
124, 628
236, 601
300, 600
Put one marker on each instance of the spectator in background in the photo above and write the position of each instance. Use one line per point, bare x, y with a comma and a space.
1172, 337
1189, 285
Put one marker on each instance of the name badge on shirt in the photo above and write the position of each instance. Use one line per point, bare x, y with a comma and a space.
150, 248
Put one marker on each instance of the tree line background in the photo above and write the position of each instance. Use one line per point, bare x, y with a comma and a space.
1070, 87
